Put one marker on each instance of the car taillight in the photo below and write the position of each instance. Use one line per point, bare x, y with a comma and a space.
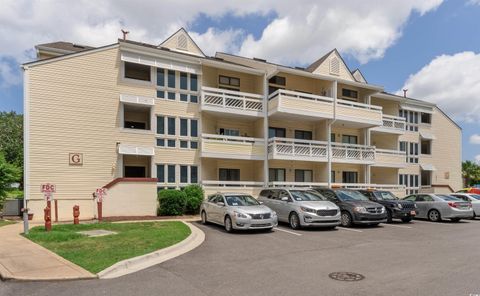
469, 205
453, 204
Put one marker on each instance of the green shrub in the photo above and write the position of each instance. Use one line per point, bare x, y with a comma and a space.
194, 195
172, 202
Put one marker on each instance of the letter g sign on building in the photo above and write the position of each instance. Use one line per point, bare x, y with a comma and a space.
75, 158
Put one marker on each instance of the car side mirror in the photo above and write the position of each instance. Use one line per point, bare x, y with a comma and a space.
284, 198
221, 204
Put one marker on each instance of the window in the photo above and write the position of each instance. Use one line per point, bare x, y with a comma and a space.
161, 142
332, 179
426, 147
160, 173
349, 139
193, 82
272, 89
276, 175
229, 132
303, 176
171, 79
183, 144
171, 96
349, 177
193, 99
411, 118
229, 174
411, 182
348, 93
278, 80
135, 172
171, 173
171, 125
403, 146
160, 125
412, 152
160, 77
183, 80
183, 127
230, 81
184, 97
136, 117
193, 128
304, 135
137, 71
426, 118
426, 178
277, 132
171, 143
193, 174
135, 125
183, 174
332, 137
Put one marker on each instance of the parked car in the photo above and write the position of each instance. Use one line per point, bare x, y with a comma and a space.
355, 207
473, 190
436, 207
474, 199
396, 208
301, 207
237, 211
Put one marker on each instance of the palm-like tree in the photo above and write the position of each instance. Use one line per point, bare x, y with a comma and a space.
470, 172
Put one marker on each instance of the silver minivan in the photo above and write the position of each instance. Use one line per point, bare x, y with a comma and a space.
301, 207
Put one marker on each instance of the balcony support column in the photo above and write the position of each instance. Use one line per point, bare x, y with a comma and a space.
265, 130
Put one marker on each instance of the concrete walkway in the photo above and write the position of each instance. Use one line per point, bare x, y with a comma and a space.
21, 259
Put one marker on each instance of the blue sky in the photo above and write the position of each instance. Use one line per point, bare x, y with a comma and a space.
418, 45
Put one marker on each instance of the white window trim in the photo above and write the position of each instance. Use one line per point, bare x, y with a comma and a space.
136, 81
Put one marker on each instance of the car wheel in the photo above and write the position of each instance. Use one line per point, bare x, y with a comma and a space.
434, 216
228, 224
346, 219
389, 216
204, 218
374, 224
455, 219
406, 220
294, 221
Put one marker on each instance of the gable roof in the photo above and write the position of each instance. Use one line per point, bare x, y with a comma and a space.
63, 46
318, 63
181, 41
358, 75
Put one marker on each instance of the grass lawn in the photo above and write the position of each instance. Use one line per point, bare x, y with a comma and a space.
97, 253
3, 222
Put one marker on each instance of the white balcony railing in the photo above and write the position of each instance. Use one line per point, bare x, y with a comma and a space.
232, 147
393, 122
135, 150
393, 187
359, 105
212, 138
283, 148
231, 101
389, 152
214, 183
353, 152
300, 95
138, 100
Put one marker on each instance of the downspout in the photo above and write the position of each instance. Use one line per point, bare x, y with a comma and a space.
26, 146
329, 130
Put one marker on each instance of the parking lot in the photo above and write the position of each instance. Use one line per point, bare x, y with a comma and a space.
418, 258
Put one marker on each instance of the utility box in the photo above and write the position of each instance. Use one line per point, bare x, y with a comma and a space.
13, 207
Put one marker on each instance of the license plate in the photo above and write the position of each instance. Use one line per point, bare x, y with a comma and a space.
413, 213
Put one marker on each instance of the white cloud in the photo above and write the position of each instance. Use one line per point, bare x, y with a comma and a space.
452, 82
473, 2
477, 159
475, 139
298, 33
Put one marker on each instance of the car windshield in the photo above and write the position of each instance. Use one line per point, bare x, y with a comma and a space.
476, 196
306, 195
385, 195
241, 200
346, 195
448, 197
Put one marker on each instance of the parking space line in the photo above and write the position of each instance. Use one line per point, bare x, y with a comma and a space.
398, 226
287, 231
349, 229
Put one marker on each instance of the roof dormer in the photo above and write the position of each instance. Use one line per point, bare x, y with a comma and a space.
181, 41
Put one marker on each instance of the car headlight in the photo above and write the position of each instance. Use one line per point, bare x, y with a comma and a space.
415, 205
362, 210
274, 213
400, 206
308, 210
241, 215
383, 209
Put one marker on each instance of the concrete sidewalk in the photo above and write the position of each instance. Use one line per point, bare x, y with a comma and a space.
21, 259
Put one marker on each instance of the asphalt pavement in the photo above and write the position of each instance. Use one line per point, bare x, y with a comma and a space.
418, 258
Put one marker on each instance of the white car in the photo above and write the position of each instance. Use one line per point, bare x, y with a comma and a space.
237, 211
473, 198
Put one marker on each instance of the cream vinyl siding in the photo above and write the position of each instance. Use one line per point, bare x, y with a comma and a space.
384, 175
234, 150
253, 191
319, 169
324, 68
389, 160
358, 114
340, 132
74, 108
131, 199
306, 84
344, 167
250, 170
385, 141
291, 126
247, 128
301, 107
388, 107
248, 83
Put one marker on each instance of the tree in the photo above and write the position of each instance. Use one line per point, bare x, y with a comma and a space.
9, 174
470, 172
11, 139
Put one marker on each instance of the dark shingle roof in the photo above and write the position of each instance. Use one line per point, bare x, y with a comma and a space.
64, 46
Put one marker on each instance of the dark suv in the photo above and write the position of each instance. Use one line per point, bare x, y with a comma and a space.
396, 208
355, 207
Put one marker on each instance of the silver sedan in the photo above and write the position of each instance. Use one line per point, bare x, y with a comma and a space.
436, 207
237, 211
473, 198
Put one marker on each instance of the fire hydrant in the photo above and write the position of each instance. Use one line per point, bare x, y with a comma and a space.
48, 219
76, 213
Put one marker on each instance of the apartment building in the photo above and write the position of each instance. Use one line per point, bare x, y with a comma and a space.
136, 118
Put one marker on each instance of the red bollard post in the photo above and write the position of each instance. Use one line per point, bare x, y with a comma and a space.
99, 208
48, 219
76, 214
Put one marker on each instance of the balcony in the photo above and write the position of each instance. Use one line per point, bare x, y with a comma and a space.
231, 147
293, 102
369, 115
391, 124
353, 153
295, 149
137, 100
390, 158
234, 102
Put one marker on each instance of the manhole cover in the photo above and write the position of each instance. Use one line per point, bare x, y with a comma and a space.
346, 276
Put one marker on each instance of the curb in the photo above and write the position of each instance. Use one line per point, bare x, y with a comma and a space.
135, 264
